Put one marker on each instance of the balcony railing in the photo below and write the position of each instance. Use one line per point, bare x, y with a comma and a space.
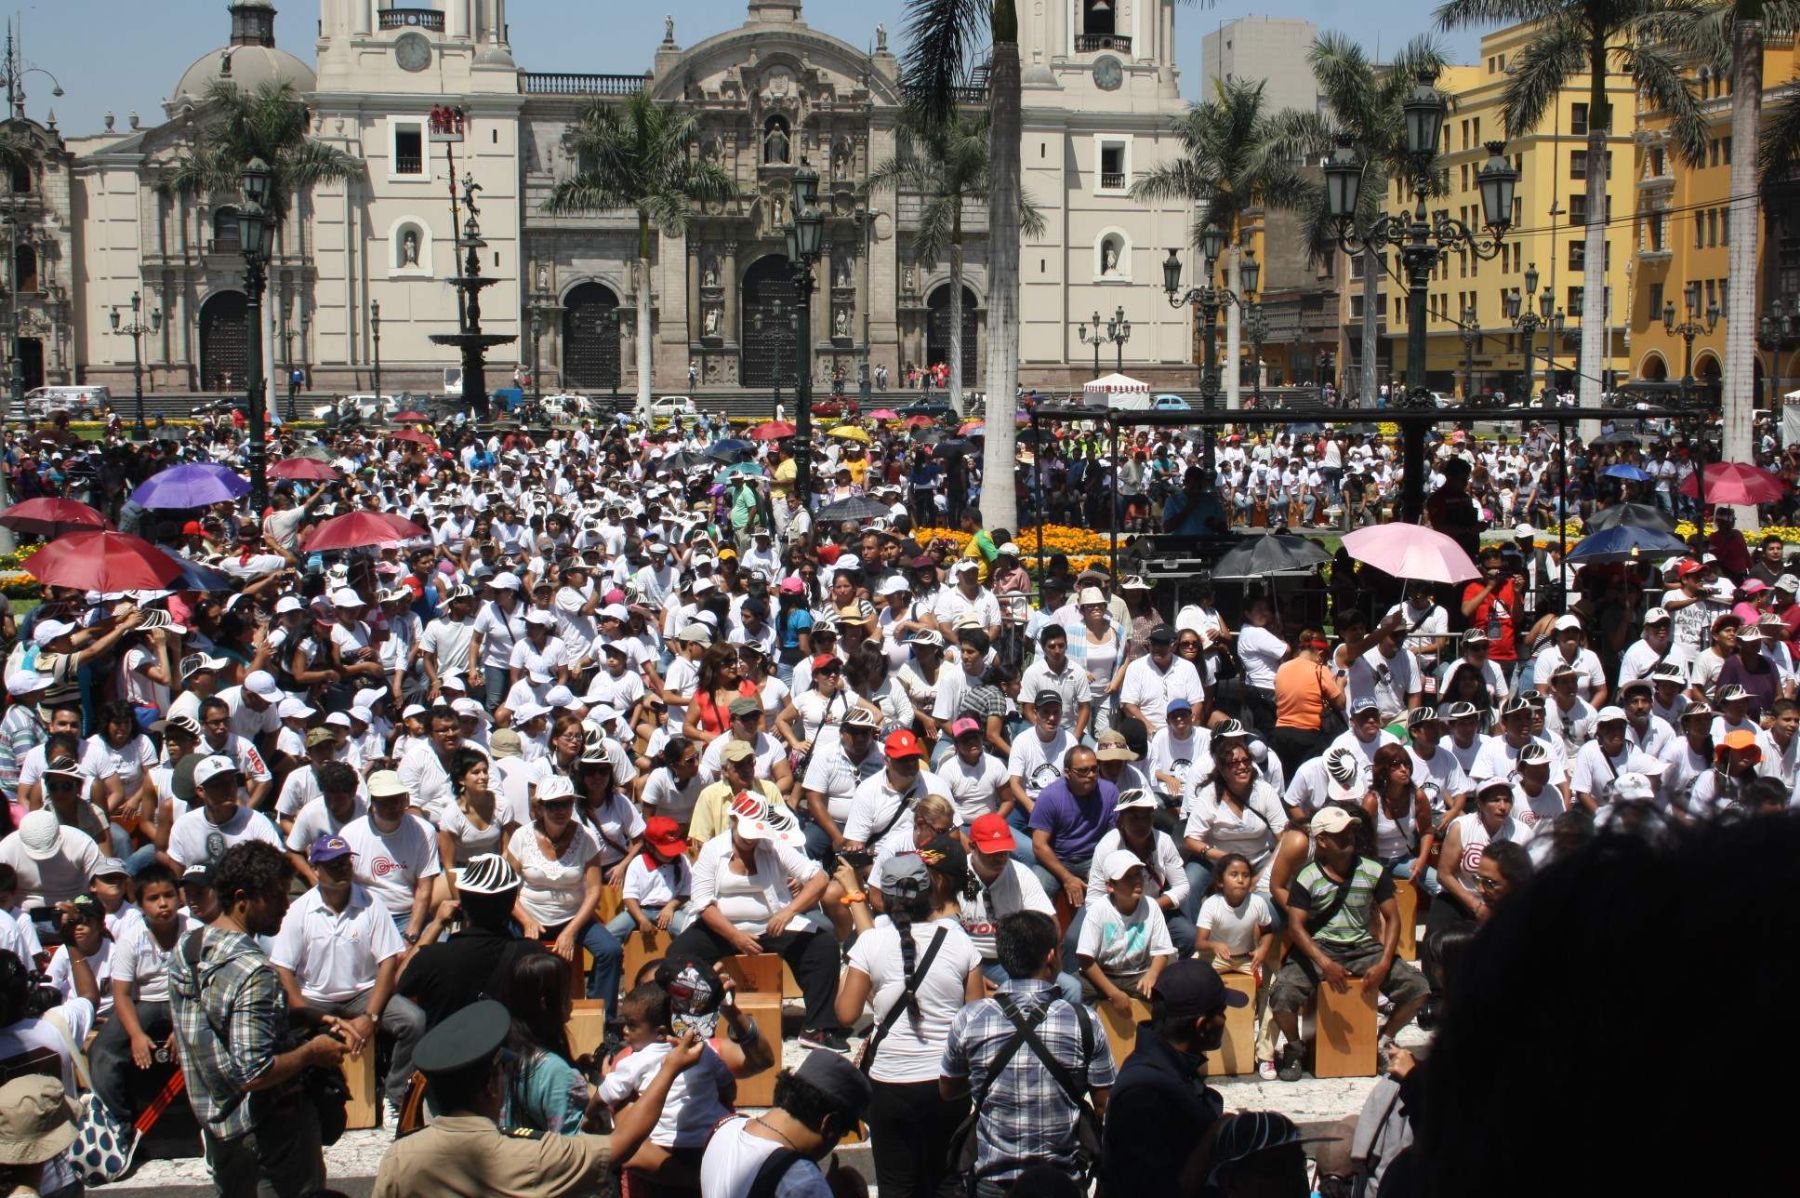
412, 18
1112, 180
1086, 43
540, 84
409, 164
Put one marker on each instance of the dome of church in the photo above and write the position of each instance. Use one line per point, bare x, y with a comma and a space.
249, 61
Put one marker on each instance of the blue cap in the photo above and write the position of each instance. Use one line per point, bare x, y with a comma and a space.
1176, 705
328, 848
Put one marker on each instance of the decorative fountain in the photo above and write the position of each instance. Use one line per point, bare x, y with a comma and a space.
471, 340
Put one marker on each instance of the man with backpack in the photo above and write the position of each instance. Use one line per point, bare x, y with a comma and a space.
1037, 1066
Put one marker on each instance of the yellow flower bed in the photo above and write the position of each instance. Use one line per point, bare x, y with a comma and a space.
1058, 538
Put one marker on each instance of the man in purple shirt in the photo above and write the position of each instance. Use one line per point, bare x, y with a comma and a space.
1071, 816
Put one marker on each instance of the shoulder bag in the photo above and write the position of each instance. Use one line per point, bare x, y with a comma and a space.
894, 1012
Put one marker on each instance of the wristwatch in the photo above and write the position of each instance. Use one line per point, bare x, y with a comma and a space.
410, 937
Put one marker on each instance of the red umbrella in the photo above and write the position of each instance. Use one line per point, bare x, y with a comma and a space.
102, 561
304, 470
413, 434
773, 430
919, 422
52, 517
409, 417
1734, 483
358, 529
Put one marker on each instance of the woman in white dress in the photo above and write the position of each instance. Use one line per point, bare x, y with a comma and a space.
558, 860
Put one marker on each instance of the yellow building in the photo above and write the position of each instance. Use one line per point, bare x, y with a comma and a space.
1548, 232
1681, 235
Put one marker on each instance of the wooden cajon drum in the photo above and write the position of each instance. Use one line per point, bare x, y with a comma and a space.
758, 1090
758, 974
363, 1110
1406, 898
1237, 1054
640, 949
1344, 1031
587, 1026
1121, 1034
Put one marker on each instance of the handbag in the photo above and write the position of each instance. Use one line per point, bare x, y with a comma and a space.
104, 1144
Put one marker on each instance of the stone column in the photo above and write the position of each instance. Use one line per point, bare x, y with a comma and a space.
694, 325
728, 282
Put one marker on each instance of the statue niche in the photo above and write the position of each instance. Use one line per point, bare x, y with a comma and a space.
776, 141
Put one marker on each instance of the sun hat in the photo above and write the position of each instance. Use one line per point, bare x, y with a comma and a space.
38, 1120
40, 832
487, 873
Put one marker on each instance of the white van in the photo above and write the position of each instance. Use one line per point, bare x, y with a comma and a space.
81, 403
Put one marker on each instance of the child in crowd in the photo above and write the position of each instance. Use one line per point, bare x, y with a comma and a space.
18, 935
1124, 943
1237, 926
88, 928
658, 884
111, 885
197, 893
699, 1099
141, 1026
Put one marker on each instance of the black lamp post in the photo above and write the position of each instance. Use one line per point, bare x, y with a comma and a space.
537, 334
1211, 300
1256, 328
375, 330
1471, 333
804, 234
1774, 332
1118, 331
253, 238
1422, 239
140, 431
1689, 329
776, 313
1096, 339
1528, 321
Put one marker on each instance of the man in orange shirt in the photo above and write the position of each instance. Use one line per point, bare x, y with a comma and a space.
1304, 687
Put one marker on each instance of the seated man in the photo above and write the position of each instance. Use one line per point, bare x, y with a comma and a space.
141, 1029
338, 953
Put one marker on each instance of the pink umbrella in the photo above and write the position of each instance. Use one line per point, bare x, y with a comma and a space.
303, 470
1734, 483
353, 530
884, 414
1409, 551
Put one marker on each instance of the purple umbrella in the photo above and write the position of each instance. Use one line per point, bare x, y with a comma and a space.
194, 485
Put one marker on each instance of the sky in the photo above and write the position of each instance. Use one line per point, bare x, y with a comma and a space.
125, 55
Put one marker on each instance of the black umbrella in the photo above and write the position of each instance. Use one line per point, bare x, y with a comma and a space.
1272, 553
857, 507
1624, 437
1034, 436
955, 447
683, 459
1631, 515
730, 450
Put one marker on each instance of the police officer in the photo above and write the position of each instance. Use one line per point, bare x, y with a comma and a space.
463, 1153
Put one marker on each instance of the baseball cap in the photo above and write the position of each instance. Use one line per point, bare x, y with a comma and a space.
1483, 785
1657, 615
989, 834
109, 867
902, 744
1343, 774
262, 684
1474, 636
487, 873
1162, 634
319, 736
212, 767
345, 597
964, 726
1688, 567
1331, 819
386, 784
1524, 530
745, 705
905, 874
1789, 583
738, 750
1633, 787
1194, 988
1047, 697
24, 682
664, 833
48, 630
1135, 799
1753, 586
1568, 623
1118, 863
845, 1086
328, 847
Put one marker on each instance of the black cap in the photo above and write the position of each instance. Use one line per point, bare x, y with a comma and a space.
1046, 697
467, 1038
831, 1075
1194, 988
1162, 634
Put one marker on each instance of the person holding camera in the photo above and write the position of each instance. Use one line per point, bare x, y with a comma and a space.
244, 1069
1492, 604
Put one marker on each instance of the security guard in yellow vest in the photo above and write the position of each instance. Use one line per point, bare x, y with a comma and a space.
464, 1153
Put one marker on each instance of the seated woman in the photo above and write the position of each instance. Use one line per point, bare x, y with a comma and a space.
559, 860
545, 1090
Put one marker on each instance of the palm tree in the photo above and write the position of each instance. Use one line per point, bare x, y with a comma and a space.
270, 123
637, 155
947, 167
1363, 107
1602, 38
1233, 159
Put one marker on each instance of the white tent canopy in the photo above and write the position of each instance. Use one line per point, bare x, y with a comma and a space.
1102, 389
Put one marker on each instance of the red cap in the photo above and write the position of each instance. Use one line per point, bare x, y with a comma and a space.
664, 834
829, 554
192, 529
903, 744
992, 834
823, 660
1687, 567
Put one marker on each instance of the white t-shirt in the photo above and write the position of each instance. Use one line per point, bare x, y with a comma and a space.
913, 1049
1015, 889
195, 839
1123, 944
392, 864
553, 890
663, 796
143, 963
1037, 762
660, 886
974, 789
335, 955
693, 1105
1235, 928
60, 973
315, 820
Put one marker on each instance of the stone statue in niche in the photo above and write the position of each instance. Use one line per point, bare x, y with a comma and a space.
775, 141
779, 210
840, 160
909, 281
709, 272
409, 248
840, 270
1109, 258
712, 322
543, 277
841, 326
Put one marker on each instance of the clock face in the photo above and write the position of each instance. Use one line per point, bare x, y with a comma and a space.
1108, 73
412, 51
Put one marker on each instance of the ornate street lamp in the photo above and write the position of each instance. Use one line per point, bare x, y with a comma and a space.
1211, 300
805, 232
136, 329
253, 240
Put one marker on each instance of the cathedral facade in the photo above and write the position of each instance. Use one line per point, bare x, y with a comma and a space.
1100, 93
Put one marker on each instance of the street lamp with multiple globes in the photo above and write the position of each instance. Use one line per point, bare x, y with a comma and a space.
1468, 323
375, 329
1097, 338
1773, 332
253, 237
1212, 300
136, 330
805, 232
1422, 239
1689, 329
1528, 322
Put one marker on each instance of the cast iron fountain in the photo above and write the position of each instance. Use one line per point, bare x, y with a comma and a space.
471, 340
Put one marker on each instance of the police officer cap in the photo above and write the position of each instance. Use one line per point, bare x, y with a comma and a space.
469, 1037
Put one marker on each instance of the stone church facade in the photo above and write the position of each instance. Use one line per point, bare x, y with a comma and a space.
1100, 92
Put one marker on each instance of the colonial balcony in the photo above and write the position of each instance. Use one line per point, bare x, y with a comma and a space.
538, 83
412, 18
1088, 43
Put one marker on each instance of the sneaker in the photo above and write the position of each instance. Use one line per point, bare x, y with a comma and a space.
1266, 1070
831, 1039
1290, 1068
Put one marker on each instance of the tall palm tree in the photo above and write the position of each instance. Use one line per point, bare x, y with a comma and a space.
271, 123
947, 167
1602, 38
637, 155
1233, 159
1363, 106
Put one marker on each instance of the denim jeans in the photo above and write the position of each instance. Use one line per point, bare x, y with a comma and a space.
609, 957
622, 925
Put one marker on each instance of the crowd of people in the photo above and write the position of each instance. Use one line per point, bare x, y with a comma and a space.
414, 799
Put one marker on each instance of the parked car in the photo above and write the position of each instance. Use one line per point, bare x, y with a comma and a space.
359, 407
80, 403
223, 406
1170, 403
937, 409
831, 407
569, 406
671, 406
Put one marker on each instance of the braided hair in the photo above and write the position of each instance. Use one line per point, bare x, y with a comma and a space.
904, 905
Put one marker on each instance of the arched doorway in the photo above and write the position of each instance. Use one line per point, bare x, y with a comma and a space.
1654, 369
224, 342
590, 337
767, 337
1708, 378
31, 361
937, 331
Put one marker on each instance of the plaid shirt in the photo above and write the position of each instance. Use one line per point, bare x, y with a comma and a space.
20, 731
236, 990
1026, 1118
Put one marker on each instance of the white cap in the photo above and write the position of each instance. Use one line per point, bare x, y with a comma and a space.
1568, 623
41, 834
386, 783
24, 682
368, 696
961, 564
560, 696
288, 603
294, 708
262, 684
506, 580
1632, 787
48, 630
702, 585
413, 709
1787, 582
1524, 530
213, 767
556, 786
894, 585
1011, 548
345, 597
528, 711
538, 615
1610, 715
470, 708
1118, 863
1657, 615
615, 611
338, 719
